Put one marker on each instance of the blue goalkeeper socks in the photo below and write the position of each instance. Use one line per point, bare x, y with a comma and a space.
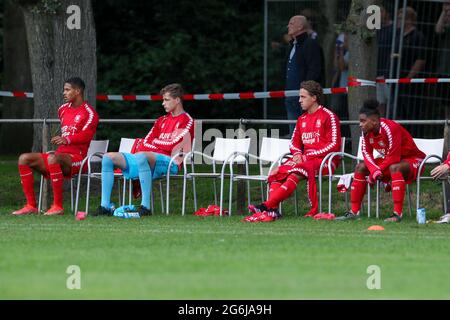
107, 181
145, 178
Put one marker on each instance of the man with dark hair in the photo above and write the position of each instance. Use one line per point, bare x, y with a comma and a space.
316, 134
151, 156
399, 163
78, 126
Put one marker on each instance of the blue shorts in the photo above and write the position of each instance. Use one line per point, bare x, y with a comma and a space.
131, 170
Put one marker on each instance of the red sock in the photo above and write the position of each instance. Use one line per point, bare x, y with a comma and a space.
283, 192
57, 180
398, 191
358, 189
26, 177
311, 187
274, 186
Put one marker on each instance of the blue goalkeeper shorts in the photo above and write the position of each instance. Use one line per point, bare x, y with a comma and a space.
161, 165
131, 170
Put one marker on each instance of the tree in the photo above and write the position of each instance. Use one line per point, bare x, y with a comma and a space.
16, 138
61, 44
362, 61
58, 49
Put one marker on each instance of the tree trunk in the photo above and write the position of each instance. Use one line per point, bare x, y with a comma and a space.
56, 54
362, 62
16, 138
329, 38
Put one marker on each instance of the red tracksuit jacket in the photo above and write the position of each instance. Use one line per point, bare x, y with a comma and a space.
168, 135
78, 126
393, 142
316, 134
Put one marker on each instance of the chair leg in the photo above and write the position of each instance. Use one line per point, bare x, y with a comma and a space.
330, 193
167, 194
215, 191
409, 200
221, 197
377, 212
77, 197
230, 198
445, 197
162, 196
124, 191
41, 186
118, 188
194, 190
248, 193
152, 200
183, 202
130, 187
87, 193
71, 194
248, 183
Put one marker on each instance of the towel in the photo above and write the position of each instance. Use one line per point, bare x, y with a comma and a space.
344, 182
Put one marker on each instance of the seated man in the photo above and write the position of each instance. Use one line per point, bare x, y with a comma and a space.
399, 163
78, 126
442, 171
317, 133
169, 135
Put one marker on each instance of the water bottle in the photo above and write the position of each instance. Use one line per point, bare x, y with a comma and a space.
421, 216
131, 215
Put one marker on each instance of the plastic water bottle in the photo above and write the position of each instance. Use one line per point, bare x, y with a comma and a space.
421, 216
130, 215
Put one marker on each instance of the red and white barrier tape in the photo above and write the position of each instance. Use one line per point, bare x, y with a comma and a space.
416, 80
16, 94
210, 96
352, 82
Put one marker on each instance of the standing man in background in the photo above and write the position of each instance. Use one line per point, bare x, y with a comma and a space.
305, 61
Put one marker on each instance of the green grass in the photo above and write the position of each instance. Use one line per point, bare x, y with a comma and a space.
175, 257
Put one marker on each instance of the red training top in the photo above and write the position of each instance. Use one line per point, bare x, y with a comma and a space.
78, 126
169, 134
393, 142
316, 134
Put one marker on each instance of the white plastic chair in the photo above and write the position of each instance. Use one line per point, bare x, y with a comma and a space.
96, 146
433, 149
328, 159
225, 150
188, 160
271, 152
96, 149
126, 145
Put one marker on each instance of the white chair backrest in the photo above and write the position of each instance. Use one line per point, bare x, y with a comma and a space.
224, 147
126, 144
360, 155
429, 147
273, 148
97, 146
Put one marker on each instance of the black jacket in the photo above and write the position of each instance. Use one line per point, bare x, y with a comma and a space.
310, 59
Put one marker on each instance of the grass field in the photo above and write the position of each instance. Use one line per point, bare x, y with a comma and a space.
175, 257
